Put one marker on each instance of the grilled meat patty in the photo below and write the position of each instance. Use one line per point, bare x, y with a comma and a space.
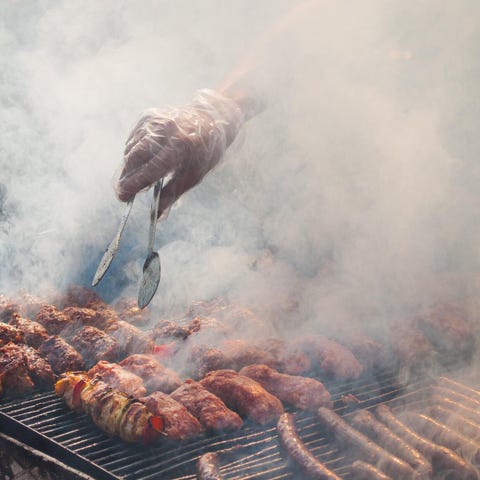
61, 355
34, 333
95, 345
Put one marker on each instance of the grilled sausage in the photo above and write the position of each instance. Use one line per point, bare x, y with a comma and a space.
298, 452
363, 446
443, 435
455, 395
207, 467
456, 421
365, 422
460, 387
457, 407
440, 456
364, 471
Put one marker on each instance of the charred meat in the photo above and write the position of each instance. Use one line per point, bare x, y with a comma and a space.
52, 319
95, 345
34, 333
10, 333
61, 355
130, 338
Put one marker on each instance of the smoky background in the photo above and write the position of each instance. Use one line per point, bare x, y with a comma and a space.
354, 194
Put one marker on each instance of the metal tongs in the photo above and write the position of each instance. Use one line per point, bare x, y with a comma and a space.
151, 266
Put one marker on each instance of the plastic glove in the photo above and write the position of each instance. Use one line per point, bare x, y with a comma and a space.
184, 142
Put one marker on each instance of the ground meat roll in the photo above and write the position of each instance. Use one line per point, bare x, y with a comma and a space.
179, 424
95, 345
9, 333
60, 355
154, 375
244, 395
130, 339
212, 413
52, 319
301, 392
100, 319
34, 333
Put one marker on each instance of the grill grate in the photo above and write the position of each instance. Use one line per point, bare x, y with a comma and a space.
254, 451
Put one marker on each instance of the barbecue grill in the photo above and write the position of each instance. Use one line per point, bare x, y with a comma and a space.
42, 422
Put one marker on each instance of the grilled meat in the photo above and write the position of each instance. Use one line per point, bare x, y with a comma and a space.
166, 331
39, 369
95, 345
361, 446
288, 359
179, 424
7, 308
441, 457
10, 333
114, 412
81, 316
60, 355
212, 413
366, 423
331, 358
78, 296
130, 339
52, 319
442, 435
364, 471
118, 378
128, 311
459, 387
34, 333
301, 392
298, 452
412, 348
203, 359
456, 421
207, 467
154, 375
14, 374
240, 353
472, 414
467, 400
243, 395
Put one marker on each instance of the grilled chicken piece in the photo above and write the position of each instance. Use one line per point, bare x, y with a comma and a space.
60, 355
14, 374
212, 413
244, 395
114, 412
10, 333
154, 375
333, 359
95, 345
179, 424
130, 338
301, 392
118, 378
34, 333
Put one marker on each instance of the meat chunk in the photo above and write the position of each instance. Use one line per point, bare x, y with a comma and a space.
78, 296
203, 359
154, 375
239, 353
301, 392
129, 311
412, 348
100, 319
34, 333
60, 355
331, 358
118, 378
166, 331
52, 319
10, 333
22, 368
212, 413
288, 358
244, 395
95, 345
130, 338
179, 424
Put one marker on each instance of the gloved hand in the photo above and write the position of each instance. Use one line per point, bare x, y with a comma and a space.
186, 142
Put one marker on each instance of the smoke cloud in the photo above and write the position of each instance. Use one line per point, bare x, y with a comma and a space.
354, 193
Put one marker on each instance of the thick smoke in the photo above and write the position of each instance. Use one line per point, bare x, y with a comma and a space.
354, 193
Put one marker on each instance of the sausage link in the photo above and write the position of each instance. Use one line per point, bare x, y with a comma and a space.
440, 456
459, 387
365, 422
364, 471
457, 407
362, 446
298, 452
455, 395
456, 421
442, 435
207, 467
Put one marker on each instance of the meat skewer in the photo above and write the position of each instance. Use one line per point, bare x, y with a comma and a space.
210, 410
442, 435
207, 467
243, 395
440, 456
112, 411
365, 422
298, 452
301, 392
362, 446
364, 471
